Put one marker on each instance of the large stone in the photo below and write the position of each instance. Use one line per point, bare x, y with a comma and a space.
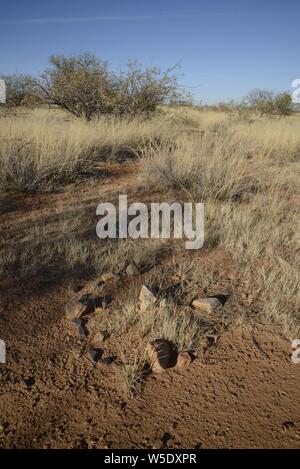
132, 269
207, 305
160, 355
147, 297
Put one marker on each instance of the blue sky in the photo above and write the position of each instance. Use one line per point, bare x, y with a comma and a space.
225, 48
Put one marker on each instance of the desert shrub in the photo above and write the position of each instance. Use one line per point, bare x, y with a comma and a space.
80, 85
84, 86
268, 103
141, 90
19, 91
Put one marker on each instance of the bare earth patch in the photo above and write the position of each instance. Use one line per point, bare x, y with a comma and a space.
244, 391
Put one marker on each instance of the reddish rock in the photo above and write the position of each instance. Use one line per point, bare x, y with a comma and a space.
207, 305
109, 277
160, 355
184, 359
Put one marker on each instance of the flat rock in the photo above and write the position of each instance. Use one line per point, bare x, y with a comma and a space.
207, 305
110, 277
77, 328
160, 355
84, 305
75, 310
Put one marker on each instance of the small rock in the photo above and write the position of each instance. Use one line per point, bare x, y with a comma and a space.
77, 327
75, 310
102, 301
29, 381
109, 277
147, 297
184, 359
92, 285
207, 305
132, 269
157, 444
160, 355
94, 355
212, 339
288, 424
98, 339
88, 288
108, 360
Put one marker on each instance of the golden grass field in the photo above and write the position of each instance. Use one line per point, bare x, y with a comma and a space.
245, 170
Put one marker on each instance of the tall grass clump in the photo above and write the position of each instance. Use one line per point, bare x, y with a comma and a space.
211, 166
46, 149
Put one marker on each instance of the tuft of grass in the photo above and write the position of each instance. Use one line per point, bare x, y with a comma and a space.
135, 371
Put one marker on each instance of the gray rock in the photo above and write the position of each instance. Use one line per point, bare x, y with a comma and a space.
94, 355
75, 310
77, 327
147, 297
132, 269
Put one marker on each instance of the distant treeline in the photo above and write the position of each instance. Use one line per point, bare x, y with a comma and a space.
85, 86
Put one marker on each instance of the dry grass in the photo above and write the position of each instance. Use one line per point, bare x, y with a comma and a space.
60, 241
211, 166
46, 149
246, 172
134, 371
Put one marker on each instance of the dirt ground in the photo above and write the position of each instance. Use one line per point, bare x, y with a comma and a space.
241, 392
